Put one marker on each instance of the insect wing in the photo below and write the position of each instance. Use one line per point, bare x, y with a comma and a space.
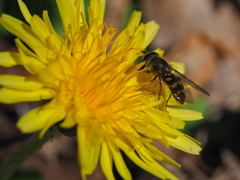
190, 82
188, 94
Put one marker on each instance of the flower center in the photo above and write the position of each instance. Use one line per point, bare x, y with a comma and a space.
93, 80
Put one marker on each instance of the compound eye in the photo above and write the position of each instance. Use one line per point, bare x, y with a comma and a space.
149, 56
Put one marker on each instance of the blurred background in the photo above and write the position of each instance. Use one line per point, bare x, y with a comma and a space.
205, 35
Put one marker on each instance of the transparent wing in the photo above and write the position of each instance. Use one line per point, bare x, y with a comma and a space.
189, 82
187, 91
188, 94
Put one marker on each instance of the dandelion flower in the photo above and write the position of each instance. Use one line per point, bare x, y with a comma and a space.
88, 88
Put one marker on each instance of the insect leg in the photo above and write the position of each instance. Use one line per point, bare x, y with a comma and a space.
167, 101
142, 67
160, 90
154, 78
147, 84
144, 51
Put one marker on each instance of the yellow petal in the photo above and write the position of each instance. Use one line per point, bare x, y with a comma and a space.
53, 119
137, 42
91, 17
35, 119
123, 142
82, 18
93, 159
67, 11
142, 77
151, 32
9, 96
64, 62
131, 134
133, 22
24, 49
120, 43
68, 121
39, 28
186, 144
180, 67
184, 114
31, 64
79, 15
106, 161
55, 43
97, 10
95, 134
153, 132
132, 155
152, 150
20, 82
50, 27
119, 163
141, 27
47, 22
46, 76
149, 104
169, 131
8, 59
24, 11
103, 5
159, 51
86, 152
158, 115
20, 29
165, 174
176, 123
44, 54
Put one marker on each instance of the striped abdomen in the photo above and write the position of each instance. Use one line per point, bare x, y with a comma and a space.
175, 85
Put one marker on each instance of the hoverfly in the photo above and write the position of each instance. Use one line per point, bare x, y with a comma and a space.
171, 77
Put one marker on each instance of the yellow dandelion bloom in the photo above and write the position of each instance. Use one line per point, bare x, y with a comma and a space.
89, 89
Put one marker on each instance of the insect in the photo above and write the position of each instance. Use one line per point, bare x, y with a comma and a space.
170, 77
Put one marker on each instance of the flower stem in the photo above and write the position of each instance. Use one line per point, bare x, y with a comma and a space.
11, 163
